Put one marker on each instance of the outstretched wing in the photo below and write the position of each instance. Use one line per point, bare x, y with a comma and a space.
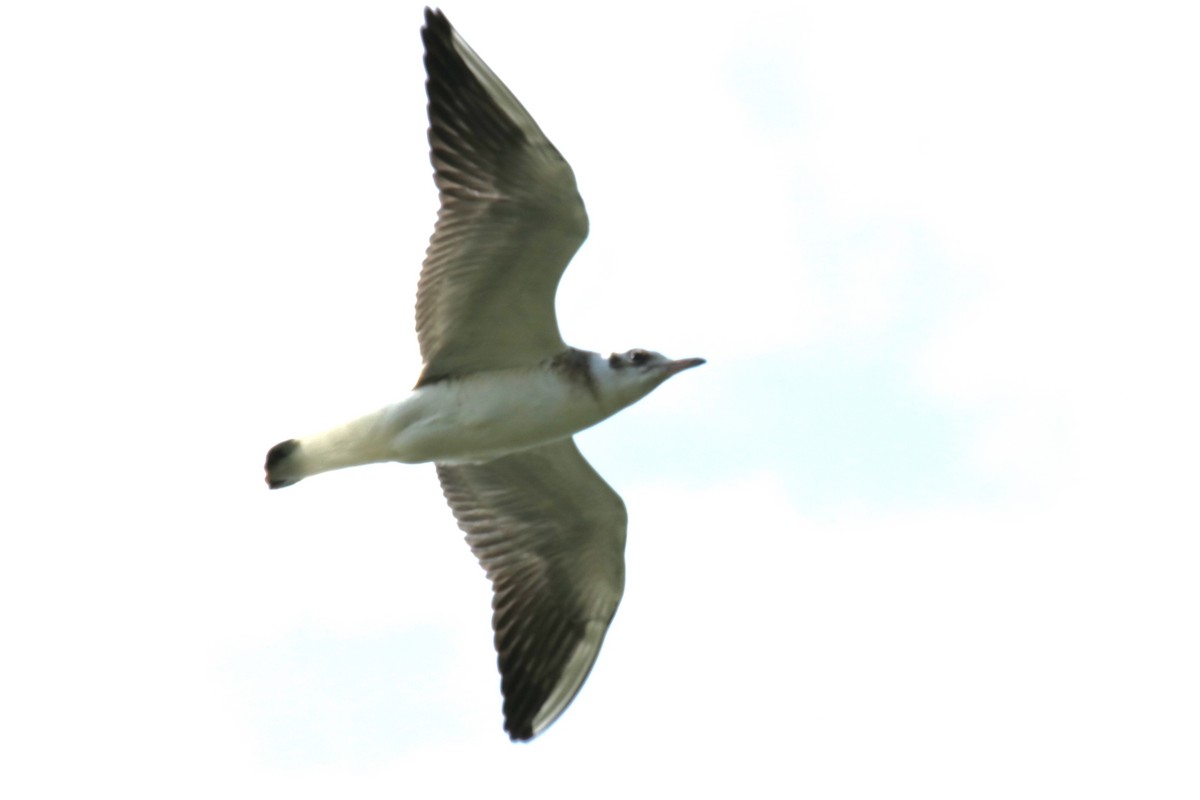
551, 535
510, 220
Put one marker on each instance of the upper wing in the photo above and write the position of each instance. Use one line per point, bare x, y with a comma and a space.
551, 535
510, 220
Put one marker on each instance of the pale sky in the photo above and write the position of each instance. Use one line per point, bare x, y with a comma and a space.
924, 526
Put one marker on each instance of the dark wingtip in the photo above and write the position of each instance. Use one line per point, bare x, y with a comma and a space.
435, 19
519, 733
276, 456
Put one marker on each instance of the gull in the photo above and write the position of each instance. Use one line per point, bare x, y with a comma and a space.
500, 394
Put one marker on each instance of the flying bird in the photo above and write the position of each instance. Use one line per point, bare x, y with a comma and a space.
500, 394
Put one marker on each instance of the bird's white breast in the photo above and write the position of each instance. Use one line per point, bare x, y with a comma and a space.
486, 415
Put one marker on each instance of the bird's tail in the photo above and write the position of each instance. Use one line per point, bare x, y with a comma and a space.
283, 468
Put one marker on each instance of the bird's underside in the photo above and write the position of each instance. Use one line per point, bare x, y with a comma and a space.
500, 394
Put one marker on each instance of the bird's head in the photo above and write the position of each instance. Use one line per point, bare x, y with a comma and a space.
632, 375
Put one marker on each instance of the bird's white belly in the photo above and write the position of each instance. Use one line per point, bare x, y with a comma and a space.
485, 416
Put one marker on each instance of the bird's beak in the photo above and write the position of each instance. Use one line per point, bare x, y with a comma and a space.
673, 367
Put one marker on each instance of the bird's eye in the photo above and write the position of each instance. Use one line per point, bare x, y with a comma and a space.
615, 361
638, 357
